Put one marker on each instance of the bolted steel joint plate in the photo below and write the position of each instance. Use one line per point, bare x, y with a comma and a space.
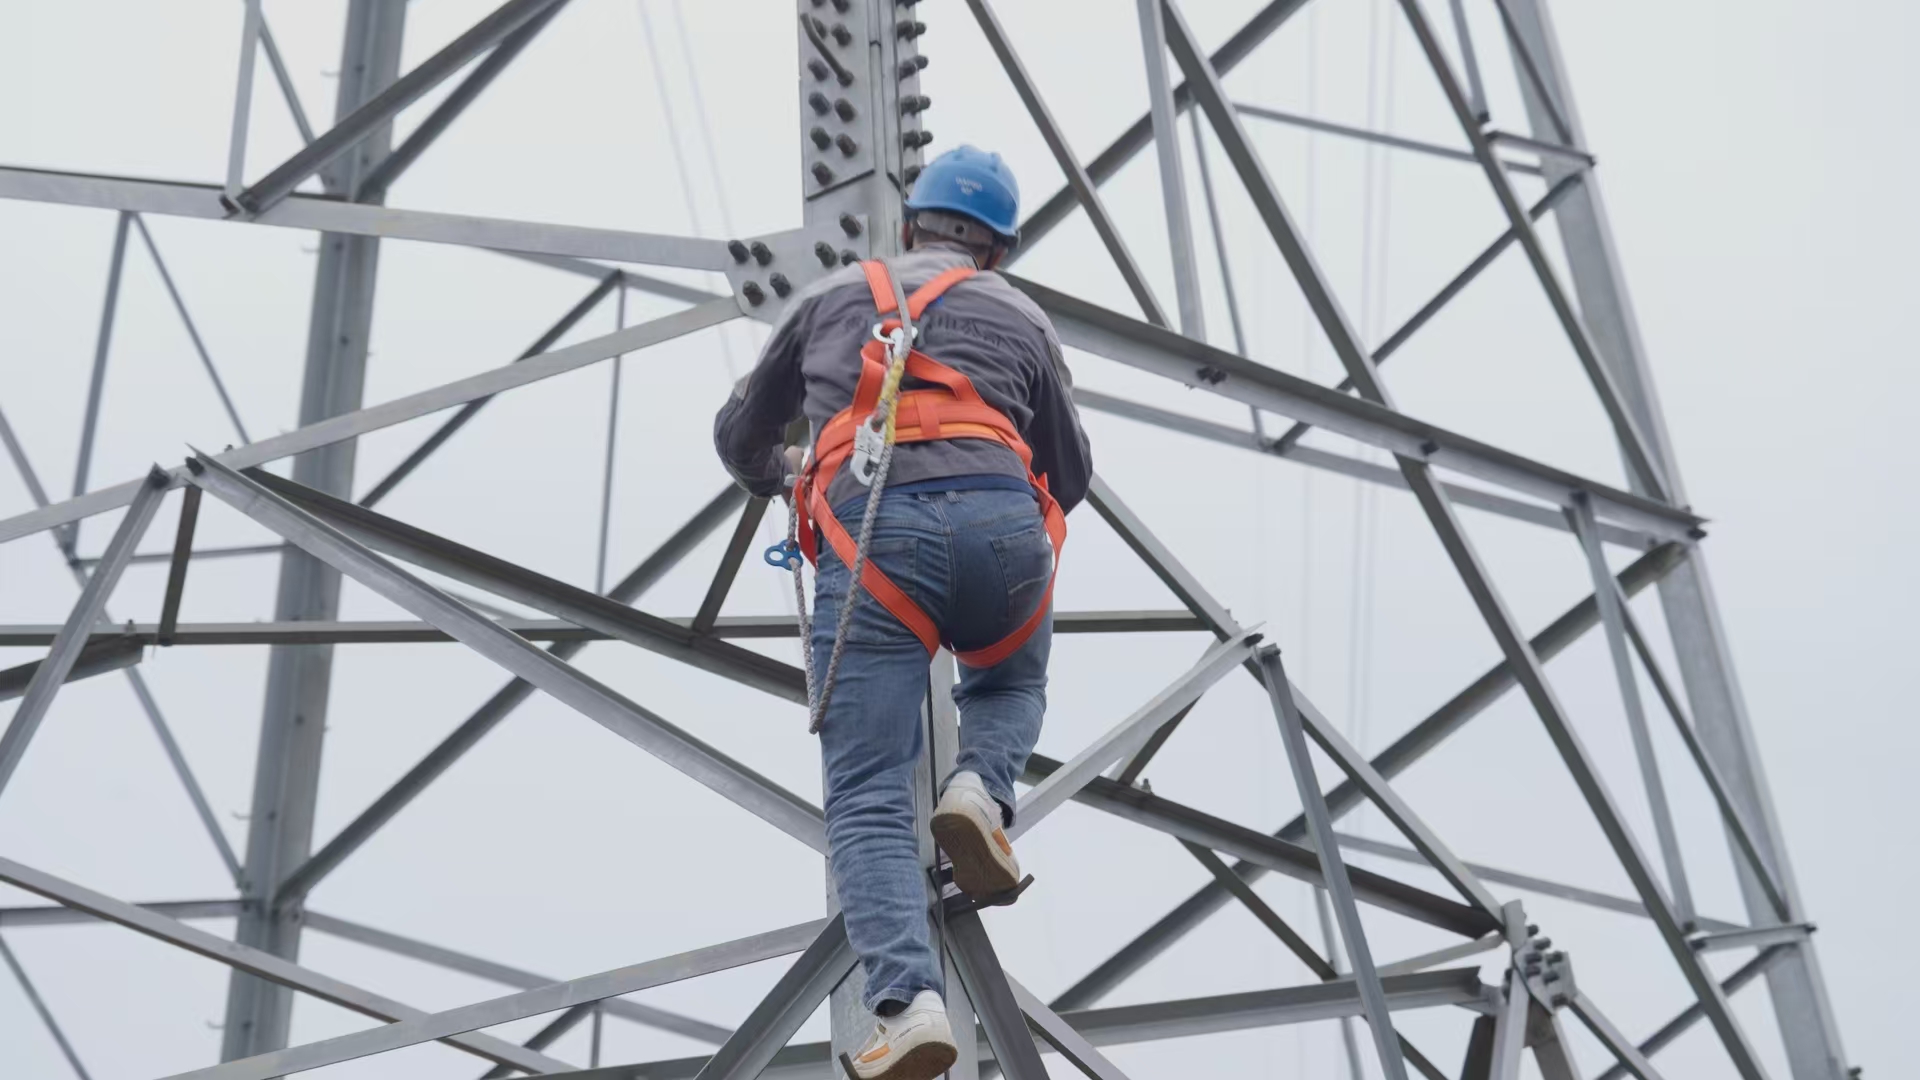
768, 270
859, 91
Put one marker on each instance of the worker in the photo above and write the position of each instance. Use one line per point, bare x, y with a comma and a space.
962, 553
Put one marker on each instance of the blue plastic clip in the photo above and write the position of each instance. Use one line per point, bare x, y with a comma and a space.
784, 555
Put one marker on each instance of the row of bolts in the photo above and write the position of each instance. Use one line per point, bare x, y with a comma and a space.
911, 104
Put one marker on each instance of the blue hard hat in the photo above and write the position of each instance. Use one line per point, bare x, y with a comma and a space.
971, 181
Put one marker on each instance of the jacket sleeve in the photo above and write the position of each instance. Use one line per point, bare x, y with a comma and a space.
750, 430
1061, 453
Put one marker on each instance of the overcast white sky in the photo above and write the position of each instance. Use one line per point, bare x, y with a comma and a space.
1749, 156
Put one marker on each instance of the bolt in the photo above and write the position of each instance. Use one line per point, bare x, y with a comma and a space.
846, 78
822, 173
848, 257
1560, 1001
847, 145
841, 34
914, 139
911, 173
1550, 977
819, 68
738, 250
844, 108
912, 66
849, 224
820, 137
841, 6
819, 28
781, 286
824, 252
762, 254
754, 293
1429, 448
914, 103
909, 29
1556, 958
1543, 943
1532, 929
906, 3
819, 103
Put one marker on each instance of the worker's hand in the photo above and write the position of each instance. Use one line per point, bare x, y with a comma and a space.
796, 459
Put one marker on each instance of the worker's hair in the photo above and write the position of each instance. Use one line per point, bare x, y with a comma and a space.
939, 225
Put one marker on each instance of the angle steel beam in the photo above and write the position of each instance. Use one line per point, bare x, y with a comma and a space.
1139, 136
1559, 191
11, 918
578, 606
1617, 1044
993, 998
40, 1006
1083, 187
1313, 457
1639, 452
509, 976
335, 429
256, 962
1126, 736
1062, 1036
104, 652
467, 412
700, 762
825, 962
377, 112
1279, 856
1108, 334
1392, 761
130, 638
96, 384
326, 214
457, 1023
376, 183
1441, 515
1173, 184
1691, 1015
744, 532
67, 646
1380, 137
1131, 1024
1796, 987
1333, 868
498, 707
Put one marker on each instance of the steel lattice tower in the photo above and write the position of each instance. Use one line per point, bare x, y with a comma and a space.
860, 108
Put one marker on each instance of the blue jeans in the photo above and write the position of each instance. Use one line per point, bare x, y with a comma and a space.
977, 562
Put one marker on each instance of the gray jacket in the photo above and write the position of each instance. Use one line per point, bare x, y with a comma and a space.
983, 327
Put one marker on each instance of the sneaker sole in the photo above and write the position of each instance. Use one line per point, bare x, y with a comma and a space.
923, 1062
977, 868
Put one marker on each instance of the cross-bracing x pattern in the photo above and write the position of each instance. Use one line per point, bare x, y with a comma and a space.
863, 143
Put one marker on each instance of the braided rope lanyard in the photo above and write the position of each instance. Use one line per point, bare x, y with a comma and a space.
876, 439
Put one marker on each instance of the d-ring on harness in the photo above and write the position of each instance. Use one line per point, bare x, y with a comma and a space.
863, 436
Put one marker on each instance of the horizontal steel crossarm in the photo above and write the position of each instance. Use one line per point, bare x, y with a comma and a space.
136, 636
324, 214
1109, 334
1589, 897
581, 607
257, 962
1313, 457
380, 110
1380, 137
1271, 853
1750, 937
700, 762
506, 975
427, 1027
1395, 759
1127, 736
398, 411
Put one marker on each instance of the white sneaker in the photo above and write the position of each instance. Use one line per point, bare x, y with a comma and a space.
915, 1045
967, 825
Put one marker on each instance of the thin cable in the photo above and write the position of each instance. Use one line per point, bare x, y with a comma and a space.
1308, 209
706, 121
179, 305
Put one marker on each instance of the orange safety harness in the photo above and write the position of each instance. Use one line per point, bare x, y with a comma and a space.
947, 407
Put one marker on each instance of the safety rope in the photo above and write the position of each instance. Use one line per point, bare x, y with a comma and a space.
881, 422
